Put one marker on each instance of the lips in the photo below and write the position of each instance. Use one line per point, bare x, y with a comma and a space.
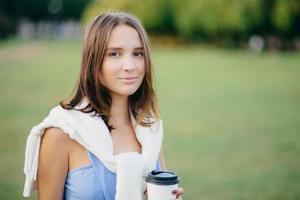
129, 80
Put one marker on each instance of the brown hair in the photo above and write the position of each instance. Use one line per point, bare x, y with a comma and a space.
143, 103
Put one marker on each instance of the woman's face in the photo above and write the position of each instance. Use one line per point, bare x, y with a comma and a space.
123, 67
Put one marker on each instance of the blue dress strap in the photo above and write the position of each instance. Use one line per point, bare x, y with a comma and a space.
106, 179
158, 165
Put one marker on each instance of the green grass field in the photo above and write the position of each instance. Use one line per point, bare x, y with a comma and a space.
231, 118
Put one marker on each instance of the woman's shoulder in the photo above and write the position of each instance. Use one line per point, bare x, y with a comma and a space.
56, 137
60, 141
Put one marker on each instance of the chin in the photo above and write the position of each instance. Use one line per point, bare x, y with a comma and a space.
127, 92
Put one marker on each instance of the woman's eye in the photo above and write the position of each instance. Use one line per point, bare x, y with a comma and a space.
114, 54
139, 54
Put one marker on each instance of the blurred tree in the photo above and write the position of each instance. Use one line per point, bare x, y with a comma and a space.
7, 26
156, 15
216, 18
97, 7
69, 9
11, 11
231, 21
286, 17
212, 20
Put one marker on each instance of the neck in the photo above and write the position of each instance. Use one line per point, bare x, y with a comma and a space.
119, 111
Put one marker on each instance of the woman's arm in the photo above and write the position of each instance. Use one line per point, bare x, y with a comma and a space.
53, 164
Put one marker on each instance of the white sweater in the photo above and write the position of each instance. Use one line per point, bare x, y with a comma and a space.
91, 132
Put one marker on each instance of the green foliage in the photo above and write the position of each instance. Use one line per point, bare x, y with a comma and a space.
216, 18
12, 11
155, 14
285, 15
209, 19
36, 10
97, 7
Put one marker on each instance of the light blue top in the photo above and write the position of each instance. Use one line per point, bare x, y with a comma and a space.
91, 182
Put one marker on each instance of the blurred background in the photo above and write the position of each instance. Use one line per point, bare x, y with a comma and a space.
227, 79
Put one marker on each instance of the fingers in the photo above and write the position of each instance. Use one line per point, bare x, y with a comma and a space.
178, 192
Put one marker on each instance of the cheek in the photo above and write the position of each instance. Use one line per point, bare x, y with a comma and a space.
109, 69
141, 67
105, 77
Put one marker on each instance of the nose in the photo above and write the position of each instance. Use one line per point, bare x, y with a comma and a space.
129, 64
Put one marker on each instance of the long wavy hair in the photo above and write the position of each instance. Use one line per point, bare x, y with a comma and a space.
142, 104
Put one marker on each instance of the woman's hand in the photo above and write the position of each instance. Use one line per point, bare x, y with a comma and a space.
177, 192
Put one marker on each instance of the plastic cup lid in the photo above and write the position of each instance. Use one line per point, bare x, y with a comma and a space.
162, 177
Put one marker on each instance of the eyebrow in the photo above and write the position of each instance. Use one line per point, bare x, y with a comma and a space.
118, 48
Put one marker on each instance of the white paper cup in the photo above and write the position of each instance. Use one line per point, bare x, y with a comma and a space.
160, 185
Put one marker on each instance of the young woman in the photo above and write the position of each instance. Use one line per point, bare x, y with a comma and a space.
102, 142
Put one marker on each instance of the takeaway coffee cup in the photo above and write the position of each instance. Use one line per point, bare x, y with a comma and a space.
160, 185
